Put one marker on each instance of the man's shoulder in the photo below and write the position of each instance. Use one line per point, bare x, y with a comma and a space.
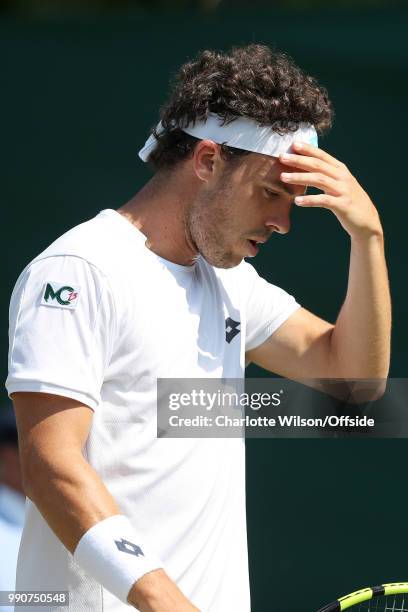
104, 242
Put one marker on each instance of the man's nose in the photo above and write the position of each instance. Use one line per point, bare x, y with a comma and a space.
279, 222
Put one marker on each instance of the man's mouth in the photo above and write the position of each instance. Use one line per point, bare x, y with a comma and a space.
254, 243
253, 247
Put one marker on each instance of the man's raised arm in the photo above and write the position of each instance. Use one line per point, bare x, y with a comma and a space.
358, 345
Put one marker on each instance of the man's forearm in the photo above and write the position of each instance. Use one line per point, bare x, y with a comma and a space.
360, 340
359, 343
68, 493
72, 499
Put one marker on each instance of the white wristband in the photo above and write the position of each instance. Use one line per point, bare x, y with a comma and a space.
113, 554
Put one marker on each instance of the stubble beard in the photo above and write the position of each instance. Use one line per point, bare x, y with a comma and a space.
209, 224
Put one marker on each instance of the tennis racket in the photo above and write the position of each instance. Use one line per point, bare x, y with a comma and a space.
392, 597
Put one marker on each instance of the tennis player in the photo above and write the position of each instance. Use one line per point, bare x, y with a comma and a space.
160, 288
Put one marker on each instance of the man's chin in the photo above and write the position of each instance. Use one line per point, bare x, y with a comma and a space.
224, 261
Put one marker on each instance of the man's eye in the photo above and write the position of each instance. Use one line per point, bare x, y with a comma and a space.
270, 193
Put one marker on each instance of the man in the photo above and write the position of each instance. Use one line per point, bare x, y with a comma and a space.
12, 500
154, 290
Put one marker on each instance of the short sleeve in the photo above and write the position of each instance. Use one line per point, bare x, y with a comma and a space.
62, 324
267, 307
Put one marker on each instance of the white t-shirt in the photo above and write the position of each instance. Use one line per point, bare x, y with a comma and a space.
98, 317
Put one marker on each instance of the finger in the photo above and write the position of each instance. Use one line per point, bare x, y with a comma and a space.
307, 149
312, 179
321, 200
310, 164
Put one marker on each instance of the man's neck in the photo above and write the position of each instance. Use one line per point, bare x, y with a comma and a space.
160, 211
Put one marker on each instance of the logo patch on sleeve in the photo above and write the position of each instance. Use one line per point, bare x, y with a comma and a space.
60, 296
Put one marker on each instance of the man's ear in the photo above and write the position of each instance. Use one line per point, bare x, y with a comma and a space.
206, 160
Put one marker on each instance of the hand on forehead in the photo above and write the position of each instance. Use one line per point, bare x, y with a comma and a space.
266, 170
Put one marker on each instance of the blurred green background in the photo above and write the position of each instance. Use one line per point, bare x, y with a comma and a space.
80, 89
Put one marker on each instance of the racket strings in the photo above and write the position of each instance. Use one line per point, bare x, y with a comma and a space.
385, 604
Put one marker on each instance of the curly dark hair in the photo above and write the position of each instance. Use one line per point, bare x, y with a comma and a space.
252, 81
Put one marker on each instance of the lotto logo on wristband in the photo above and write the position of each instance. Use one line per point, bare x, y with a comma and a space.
129, 547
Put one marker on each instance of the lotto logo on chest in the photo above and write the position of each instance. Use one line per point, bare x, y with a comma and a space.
232, 329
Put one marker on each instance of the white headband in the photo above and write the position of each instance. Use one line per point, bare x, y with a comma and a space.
241, 133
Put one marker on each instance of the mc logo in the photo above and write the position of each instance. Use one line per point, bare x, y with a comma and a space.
65, 295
